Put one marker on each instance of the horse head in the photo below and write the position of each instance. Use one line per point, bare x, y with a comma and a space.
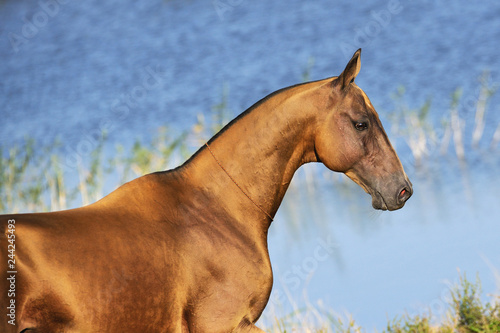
352, 140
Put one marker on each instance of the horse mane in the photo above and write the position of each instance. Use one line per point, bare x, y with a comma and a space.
244, 113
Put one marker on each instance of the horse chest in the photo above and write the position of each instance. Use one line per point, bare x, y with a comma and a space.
231, 282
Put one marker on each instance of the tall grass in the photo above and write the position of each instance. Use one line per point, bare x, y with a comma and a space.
428, 139
467, 312
36, 179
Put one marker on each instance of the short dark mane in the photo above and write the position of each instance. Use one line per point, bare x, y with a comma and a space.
244, 113
254, 106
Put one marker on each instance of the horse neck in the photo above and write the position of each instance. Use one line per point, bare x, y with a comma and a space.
260, 151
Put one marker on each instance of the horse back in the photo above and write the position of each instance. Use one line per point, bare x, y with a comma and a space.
107, 256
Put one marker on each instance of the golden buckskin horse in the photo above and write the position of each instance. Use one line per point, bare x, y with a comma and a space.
185, 250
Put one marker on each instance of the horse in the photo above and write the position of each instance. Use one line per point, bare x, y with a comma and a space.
185, 250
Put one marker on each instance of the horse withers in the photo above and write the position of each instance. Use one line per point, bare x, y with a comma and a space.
185, 250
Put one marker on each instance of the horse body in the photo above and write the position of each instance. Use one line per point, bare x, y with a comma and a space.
134, 263
185, 250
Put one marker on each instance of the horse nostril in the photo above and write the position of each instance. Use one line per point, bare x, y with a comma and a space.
404, 195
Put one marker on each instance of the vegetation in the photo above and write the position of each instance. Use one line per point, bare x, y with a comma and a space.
426, 139
466, 313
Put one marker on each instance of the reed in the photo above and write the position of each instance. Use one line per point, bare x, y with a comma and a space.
485, 93
429, 138
36, 180
221, 113
413, 126
496, 139
457, 125
306, 73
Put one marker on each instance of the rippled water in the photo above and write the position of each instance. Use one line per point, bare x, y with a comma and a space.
69, 69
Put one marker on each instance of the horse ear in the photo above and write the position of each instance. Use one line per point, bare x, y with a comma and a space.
351, 70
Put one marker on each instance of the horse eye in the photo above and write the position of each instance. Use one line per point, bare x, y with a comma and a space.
361, 126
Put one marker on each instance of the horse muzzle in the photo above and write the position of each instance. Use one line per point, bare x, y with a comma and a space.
390, 199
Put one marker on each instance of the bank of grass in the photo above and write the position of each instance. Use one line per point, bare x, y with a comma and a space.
467, 312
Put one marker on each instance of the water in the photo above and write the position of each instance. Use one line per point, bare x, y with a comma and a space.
69, 69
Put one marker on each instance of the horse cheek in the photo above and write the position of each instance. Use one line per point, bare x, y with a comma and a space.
349, 154
333, 152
